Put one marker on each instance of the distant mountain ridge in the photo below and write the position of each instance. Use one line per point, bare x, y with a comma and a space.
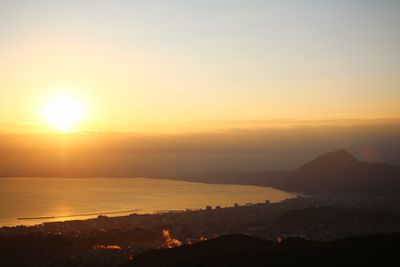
330, 161
340, 171
333, 172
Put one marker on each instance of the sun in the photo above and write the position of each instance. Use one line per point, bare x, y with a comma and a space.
63, 112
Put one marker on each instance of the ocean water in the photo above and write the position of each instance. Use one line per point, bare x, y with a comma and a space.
65, 198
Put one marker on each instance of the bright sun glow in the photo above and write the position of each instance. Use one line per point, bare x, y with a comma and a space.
63, 112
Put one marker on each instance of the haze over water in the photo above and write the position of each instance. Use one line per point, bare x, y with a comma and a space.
54, 197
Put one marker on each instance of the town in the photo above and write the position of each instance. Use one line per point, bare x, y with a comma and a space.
117, 239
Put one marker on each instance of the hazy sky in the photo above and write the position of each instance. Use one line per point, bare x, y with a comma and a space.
126, 155
148, 65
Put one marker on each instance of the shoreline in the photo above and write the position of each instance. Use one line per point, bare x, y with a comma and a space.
77, 215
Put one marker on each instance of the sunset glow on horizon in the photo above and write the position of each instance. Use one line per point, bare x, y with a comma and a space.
131, 130
194, 66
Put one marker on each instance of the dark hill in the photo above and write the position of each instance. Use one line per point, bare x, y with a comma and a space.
333, 172
330, 162
241, 250
339, 171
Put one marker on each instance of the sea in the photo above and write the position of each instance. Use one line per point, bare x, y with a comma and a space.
32, 200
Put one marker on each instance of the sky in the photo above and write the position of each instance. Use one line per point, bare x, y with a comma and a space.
179, 155
178, 66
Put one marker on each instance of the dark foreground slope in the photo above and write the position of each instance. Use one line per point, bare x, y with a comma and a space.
244, 251
332, 172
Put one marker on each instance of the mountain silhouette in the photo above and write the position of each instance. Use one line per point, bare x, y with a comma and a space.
333, 172
340, 171
331, 161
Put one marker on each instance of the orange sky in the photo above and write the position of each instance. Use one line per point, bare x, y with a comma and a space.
185, 66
